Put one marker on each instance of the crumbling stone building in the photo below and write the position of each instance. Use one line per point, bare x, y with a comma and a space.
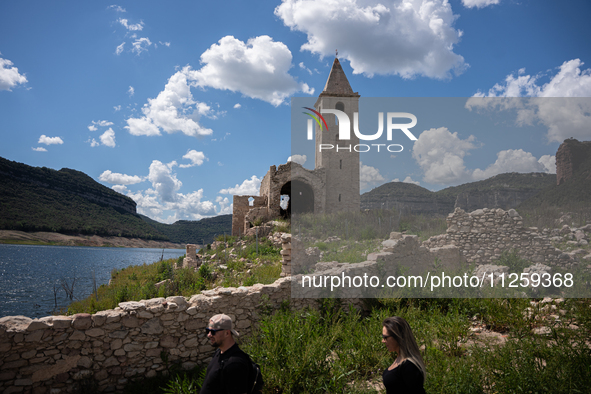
332, 186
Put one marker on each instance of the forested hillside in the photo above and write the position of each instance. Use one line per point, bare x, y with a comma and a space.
70, 202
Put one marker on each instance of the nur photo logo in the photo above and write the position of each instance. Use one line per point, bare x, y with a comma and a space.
344, 129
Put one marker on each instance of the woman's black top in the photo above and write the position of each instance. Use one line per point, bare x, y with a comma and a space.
404, 379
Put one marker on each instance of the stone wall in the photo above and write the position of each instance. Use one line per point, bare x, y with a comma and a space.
61, 354
286, 254
484, 234
240, 210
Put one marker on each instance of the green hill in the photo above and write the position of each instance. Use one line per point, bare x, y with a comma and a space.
65, 201
194, 232
70, 202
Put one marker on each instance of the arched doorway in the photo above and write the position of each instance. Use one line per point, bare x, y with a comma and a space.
299, 196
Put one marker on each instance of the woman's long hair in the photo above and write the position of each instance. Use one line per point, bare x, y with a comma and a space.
399, 329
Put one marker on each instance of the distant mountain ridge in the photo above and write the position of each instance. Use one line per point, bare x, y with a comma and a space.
569, 189
70, 202
501, 191
201, 232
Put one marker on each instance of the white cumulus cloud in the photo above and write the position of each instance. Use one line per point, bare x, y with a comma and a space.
257, 69
163, 201
195, 157
119, 188
300, 159
557, 104
115, 178
164, 181
9, 76
174, 109
131, 91
511, 160
479, 3
237, 105
402, 37
249, 187
50, 140
108, 138
225, 206
549, 163
440, 154
369, 176
39, 149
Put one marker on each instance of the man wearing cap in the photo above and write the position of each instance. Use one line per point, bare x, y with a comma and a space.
228, 370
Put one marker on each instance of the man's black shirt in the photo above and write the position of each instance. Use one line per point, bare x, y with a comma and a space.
233, 379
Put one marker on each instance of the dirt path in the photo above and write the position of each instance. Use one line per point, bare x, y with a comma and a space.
43, 238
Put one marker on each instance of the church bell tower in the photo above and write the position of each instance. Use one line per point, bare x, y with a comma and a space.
340, 163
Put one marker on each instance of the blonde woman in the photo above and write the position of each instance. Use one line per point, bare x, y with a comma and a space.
407, 374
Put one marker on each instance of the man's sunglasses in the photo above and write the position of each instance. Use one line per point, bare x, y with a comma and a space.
212, 331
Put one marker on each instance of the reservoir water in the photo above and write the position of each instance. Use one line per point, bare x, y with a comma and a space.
28, 274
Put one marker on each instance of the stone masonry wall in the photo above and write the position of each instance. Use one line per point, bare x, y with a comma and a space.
60, 354
240, 210
483, 235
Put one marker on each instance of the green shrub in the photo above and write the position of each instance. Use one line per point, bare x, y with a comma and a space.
512, 260
205, 271
322, 246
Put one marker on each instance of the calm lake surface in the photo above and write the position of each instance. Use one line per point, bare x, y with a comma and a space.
29, 273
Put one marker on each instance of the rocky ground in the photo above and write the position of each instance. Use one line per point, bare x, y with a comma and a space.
43, 238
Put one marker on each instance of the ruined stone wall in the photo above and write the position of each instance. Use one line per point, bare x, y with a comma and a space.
240, 210
569, 156
191, 260
483, 235
278, 178
61, 354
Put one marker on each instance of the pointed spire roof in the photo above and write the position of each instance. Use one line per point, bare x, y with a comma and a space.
337, 83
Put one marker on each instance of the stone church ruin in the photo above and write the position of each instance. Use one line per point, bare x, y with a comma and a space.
332, 186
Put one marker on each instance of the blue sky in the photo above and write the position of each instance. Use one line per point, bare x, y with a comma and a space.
181, 104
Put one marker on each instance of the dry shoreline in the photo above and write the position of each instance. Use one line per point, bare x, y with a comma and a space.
45, 238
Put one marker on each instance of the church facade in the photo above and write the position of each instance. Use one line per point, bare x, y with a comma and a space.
332, 186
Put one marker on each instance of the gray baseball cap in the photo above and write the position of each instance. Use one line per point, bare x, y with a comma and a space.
222, 322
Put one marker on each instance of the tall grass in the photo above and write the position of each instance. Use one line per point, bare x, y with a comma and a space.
138, 282
546, 216
365, 225
311, 351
